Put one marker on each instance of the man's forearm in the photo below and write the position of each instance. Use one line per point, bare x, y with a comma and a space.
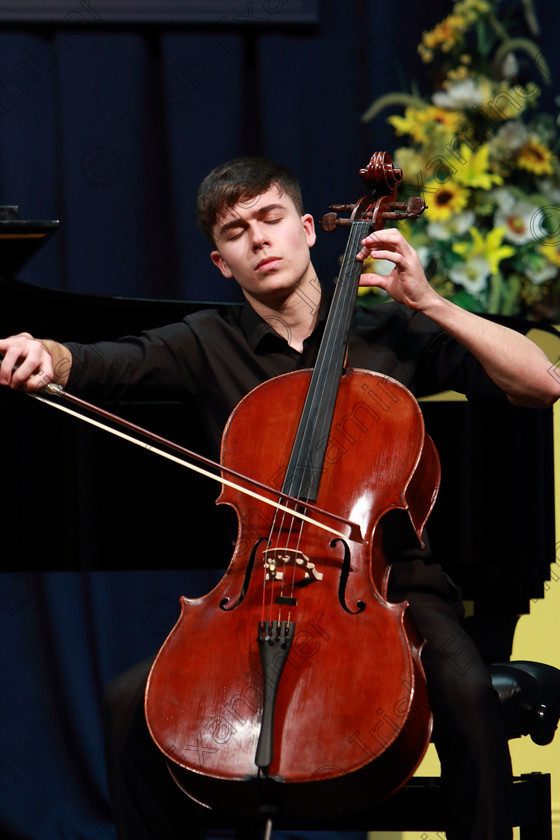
511, 360
515, 363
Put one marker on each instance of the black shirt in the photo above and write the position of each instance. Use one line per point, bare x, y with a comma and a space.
214, 357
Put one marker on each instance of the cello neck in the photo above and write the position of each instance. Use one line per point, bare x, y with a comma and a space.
306, 461
371, 212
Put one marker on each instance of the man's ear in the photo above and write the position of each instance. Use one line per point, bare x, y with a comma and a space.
219, 261
308, 223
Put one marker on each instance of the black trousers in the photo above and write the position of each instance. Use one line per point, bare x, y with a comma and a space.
469, 732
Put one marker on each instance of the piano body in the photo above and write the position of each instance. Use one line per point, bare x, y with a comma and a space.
77, 498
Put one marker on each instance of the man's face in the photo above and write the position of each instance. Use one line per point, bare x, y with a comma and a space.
264, 244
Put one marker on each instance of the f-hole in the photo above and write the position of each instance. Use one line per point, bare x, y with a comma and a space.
343, 582
246, 579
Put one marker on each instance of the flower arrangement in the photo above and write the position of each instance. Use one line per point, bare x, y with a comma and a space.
485, 161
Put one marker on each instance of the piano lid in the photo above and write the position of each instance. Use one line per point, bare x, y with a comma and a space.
68, 315
19, 240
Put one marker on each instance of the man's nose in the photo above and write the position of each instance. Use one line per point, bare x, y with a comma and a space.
259, 237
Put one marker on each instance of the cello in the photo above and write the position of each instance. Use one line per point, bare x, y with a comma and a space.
294, 684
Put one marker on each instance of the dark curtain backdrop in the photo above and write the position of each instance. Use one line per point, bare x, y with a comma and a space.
110, 130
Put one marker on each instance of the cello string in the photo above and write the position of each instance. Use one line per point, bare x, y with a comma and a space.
328, 351
331, 350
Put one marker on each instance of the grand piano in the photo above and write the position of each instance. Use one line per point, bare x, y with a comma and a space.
76, 498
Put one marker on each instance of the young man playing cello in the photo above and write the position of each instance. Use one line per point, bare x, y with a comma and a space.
251, 210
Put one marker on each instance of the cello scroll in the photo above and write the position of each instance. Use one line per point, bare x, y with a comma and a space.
383, 179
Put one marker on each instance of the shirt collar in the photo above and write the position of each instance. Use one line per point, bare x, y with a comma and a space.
257, 330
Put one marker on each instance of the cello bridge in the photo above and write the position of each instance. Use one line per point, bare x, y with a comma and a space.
276, 559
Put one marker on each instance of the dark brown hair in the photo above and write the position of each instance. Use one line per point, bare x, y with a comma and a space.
243, 178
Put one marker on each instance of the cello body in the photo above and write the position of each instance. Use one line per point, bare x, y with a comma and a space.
350, 719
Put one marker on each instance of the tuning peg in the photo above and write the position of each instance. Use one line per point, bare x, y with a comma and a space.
398, 210
415, 206
331, 220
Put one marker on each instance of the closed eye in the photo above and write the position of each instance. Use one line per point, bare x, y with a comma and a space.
235, 230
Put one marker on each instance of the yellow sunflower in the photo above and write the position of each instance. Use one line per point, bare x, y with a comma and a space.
418, 121
536, 157
445, 200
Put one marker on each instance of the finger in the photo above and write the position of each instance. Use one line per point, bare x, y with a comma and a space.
374, 280
25, 365
369, 247
32, 373
379, 253
38, 380
387, 238
10, 361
